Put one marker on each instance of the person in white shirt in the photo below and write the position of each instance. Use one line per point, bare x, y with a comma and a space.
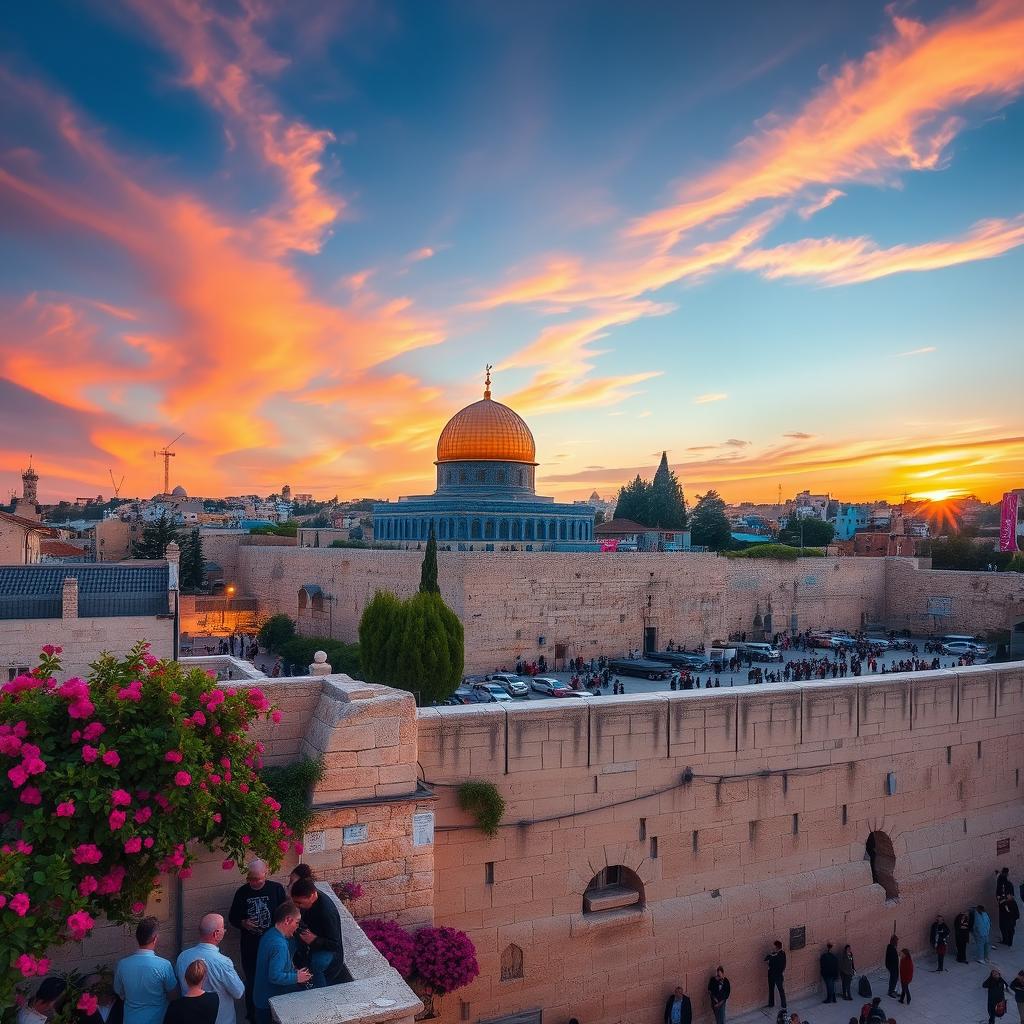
43, 1003
221, 976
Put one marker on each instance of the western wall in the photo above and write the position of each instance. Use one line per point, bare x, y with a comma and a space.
591, 603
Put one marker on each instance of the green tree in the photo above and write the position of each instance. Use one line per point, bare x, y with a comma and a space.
380, 630
666, 508
341, 657
709, 526
430, 655
276, 632
428, 571
816, 532
155, 538
634, 501
192, 562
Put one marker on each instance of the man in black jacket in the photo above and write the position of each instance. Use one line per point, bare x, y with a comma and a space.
320, 932
939, 938
719, 990
776, 961
829, 964
252, 912
678, 1009
892, 965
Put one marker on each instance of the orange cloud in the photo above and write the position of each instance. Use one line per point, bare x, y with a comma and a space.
836, 261
889, 112
715, 396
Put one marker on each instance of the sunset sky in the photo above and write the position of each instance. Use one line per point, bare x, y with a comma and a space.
783, 241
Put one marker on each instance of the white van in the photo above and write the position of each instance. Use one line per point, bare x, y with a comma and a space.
762, 652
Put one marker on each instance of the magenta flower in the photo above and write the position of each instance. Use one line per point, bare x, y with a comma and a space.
174, 756
111, 882
87, 1003
34, 765
80, 924
93, 731
445, 958
87, 853
120, 798
393, 942
10, 745
89, 754
142, 815
134, 845
275, 717
66, 809
117, 820
27, 965
31, 795
111, 758
182, 779
19, 903
17, 775
81, 709
50, 650
138, 907
228, 864
88, 885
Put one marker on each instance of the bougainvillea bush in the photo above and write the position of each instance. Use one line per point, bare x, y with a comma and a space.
443, 959
109, 782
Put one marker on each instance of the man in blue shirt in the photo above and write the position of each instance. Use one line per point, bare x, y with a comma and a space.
221, 976
275, 974
144, 980
678, 1009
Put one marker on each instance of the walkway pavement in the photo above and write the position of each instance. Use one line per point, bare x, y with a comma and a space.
953, 997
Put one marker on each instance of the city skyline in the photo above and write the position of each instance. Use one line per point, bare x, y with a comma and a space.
789, 256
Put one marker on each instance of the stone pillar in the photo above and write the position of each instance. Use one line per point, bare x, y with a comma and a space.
173, 556
320, 667
69, 598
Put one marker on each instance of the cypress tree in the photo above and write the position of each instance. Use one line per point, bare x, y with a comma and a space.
428, 571
380, 634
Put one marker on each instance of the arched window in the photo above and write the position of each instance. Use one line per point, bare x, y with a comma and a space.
503, 530
542, 530
448, 476
879, 851
516, 530
528, 535
511, 963
488, 529
474, 533
561, 530
615, 887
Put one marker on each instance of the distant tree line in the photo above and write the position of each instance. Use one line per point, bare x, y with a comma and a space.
153, 544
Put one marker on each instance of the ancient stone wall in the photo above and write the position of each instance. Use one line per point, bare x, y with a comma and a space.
768, 837
587, 603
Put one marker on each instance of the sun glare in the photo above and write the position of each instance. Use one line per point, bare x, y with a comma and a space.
942, 494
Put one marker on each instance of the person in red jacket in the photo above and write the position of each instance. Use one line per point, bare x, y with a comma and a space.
906, 975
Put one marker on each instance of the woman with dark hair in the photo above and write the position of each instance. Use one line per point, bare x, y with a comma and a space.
300, 871
996, 994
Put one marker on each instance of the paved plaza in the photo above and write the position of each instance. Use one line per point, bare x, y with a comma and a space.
953, 997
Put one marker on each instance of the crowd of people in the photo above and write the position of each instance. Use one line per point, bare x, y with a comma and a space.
288, 941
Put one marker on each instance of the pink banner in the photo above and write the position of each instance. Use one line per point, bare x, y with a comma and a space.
609, 545
1008, 523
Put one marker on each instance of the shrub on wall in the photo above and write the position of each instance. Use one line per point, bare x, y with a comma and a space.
485, 803
340, 656
442, 959
290, 785
112, 781
780, 552
276, 632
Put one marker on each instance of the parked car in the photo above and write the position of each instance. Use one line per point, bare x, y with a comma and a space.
551, 687
641, 667
961, 647
515, 686
469, 695
570, 692
496, 690
762, 652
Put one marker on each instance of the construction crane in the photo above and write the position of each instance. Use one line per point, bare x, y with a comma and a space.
117, 486
166, 454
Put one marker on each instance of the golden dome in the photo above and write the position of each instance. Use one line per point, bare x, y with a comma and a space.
486, 431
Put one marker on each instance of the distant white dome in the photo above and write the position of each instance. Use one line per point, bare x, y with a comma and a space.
179, 492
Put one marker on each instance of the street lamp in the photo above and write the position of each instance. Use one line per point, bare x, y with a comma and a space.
230, 591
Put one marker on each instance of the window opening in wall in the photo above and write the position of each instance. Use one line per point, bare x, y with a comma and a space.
654, 847
979, 749
643, 828
796, 823
878, 850
751, 831
844, 814
949, 755
613, 888
489, 873
694, 840
511, 963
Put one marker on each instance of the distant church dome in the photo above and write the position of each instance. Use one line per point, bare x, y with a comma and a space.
486, 431
179, 492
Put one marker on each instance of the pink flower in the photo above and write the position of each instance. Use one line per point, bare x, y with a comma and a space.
132, 692
81, 709
87, 853
134, 845
34, 766
298, 847
174, 756
42, 966
142, 815
26, 964
257, 698
138, 907
87, 1003
282, 845
246, 840
17, 775
225, 762
182, 779
148, 842
111, 882
19, 903
111, 758
175, 698
50, 650
215, 779
120, 798
228, 864
87, 886
217, 730
76, 735
243, 788
80, 924
117, 820
31, 795
3, 901
149, 661
66, 809
93, 731
89, 754
198, 718
10, 745
22, 847
217, 818
185, 873
275, 717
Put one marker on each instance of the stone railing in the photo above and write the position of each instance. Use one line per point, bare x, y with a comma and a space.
224, 666
377, 995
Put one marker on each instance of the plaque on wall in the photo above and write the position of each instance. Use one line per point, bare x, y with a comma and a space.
314, 842
797, 937
423, 829
355, 834
1002, 846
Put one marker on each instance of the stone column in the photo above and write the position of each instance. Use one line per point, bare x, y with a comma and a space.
320, 667
173, 556
69, 598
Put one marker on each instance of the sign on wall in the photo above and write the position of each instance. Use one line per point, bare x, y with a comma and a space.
1002, 846
940, 606
798, 937
355, 834
423, 829
314, 842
